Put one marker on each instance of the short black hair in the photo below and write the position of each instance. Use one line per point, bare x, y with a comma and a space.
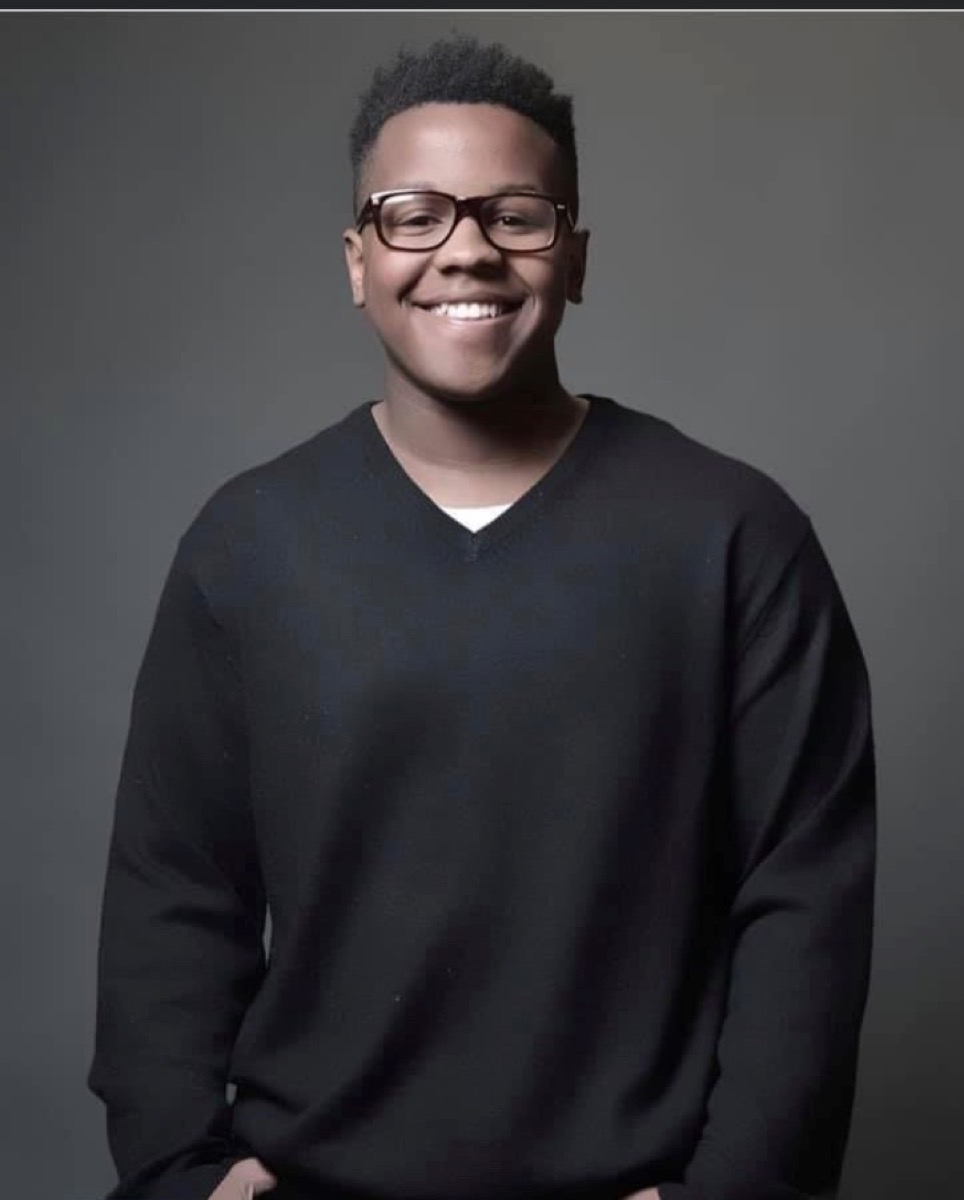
460, 70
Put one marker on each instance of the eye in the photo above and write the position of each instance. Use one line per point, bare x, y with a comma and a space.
521, 215
513, 220
411, 215
415, 219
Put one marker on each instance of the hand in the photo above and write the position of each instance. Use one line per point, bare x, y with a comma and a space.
247, 1178
648, 1194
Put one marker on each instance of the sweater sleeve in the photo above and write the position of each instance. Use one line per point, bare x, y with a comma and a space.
181, 951
802, 775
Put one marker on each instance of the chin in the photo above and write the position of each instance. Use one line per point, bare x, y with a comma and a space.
486, 389
475, 398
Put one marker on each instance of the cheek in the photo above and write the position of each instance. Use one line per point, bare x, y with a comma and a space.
551, 290
548, 281
388, 282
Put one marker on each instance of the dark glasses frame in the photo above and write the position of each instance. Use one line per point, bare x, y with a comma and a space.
464, 206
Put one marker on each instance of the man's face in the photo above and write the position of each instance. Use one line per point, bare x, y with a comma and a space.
465, 150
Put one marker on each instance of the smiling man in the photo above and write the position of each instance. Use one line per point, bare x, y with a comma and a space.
466, 278
540, 729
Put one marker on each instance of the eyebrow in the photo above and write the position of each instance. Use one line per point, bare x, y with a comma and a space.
431, 187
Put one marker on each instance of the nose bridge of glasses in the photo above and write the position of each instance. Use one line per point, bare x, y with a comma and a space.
470, 206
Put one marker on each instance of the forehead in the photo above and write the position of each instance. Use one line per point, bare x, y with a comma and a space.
466, 149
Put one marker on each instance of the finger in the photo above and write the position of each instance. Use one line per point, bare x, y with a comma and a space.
253, 1176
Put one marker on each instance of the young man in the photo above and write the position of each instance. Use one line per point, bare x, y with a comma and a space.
540, 729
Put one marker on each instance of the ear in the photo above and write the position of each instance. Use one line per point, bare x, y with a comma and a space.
576, 265
355, 262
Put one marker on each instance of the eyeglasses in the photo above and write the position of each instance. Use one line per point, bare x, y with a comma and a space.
518, 222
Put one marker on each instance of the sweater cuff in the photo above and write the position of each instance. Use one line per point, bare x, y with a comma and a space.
675, 1191
194, 1183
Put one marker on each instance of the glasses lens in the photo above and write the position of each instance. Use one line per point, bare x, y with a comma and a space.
520, 222
416, 220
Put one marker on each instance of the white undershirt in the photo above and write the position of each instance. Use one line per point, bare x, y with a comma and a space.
474, 516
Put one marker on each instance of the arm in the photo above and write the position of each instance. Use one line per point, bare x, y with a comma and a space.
803, 826
181, 952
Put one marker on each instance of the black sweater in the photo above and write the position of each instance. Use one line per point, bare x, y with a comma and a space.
565, 828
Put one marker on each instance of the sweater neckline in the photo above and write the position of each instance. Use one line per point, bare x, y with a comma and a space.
403, 492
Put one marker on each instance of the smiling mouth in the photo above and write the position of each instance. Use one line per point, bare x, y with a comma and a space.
474, 311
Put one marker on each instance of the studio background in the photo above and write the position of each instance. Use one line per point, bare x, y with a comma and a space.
776, 267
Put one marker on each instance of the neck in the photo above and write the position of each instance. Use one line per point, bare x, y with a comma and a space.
478, 436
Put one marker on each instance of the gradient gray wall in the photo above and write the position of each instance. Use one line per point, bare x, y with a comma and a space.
776, 267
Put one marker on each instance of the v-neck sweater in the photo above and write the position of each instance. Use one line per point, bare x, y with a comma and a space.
565, 828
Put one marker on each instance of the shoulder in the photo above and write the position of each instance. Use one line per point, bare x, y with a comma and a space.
300, 476
699, 495
262, 507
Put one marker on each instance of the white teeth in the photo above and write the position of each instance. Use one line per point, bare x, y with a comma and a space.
468, 312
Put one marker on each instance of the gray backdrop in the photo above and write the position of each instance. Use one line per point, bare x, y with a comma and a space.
776, 267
